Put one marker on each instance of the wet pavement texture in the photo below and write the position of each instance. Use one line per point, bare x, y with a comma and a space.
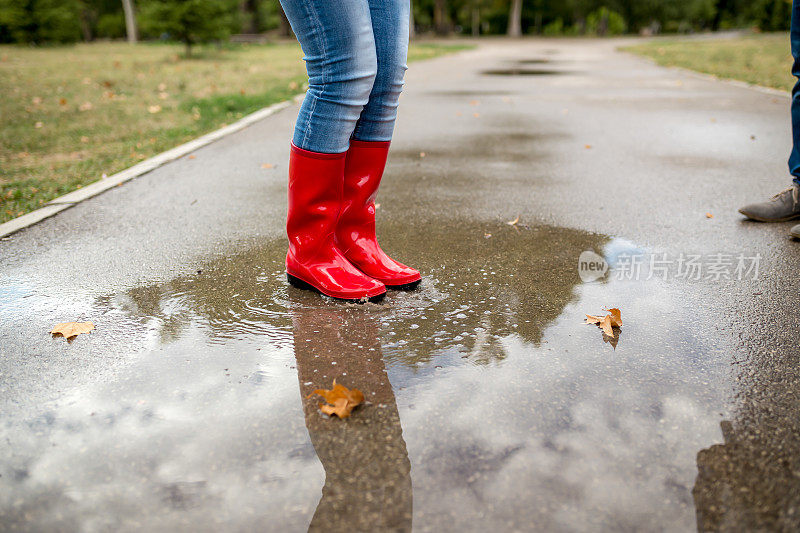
489, 403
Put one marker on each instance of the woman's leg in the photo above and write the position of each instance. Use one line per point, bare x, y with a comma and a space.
366, 158
339, 46
341, 61
390, 19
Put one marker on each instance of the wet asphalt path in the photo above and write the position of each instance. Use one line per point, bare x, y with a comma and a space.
490, 404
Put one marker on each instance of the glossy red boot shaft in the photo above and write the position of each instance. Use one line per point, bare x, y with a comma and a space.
355, 231
315, 199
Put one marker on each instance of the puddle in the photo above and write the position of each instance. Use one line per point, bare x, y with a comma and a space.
524, 72
536, 61
488, 401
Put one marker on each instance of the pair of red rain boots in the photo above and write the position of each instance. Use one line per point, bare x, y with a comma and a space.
331, 225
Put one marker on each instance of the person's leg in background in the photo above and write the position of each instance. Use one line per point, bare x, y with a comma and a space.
339, 46
786, 204
369, 147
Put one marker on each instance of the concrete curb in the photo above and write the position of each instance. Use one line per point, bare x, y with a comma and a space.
68, 200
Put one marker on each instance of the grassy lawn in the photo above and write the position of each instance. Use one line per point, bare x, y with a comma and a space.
71, 114
762, 59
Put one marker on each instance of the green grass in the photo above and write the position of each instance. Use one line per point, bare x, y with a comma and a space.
762, 59
71, 114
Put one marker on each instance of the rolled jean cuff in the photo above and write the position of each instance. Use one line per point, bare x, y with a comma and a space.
316, 155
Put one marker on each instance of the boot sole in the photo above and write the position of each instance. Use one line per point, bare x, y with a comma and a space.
405, 286
300, 284
762, 219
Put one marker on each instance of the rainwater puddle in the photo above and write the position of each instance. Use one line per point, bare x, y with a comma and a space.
489, 402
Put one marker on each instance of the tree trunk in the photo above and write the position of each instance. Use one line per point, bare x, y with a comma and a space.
515, 19
286, 28
130, 21
249, 11
411, 29
476, 22
86, 25
440, 17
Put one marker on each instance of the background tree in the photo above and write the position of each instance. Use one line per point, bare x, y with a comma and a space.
130, 21
189, 21
515, 19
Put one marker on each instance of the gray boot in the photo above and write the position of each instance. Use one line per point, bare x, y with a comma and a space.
782, 207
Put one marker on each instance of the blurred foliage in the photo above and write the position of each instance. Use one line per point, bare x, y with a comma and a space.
190, 21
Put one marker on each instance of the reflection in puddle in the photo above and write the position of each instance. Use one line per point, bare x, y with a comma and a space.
518, 71
514, 413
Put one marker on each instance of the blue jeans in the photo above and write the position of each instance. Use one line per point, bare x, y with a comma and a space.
355, 53
794, 158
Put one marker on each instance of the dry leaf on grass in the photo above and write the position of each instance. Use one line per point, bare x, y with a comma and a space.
607, 323
71, 329
341, 399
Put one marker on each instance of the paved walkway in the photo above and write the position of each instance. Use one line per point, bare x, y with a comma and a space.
490, 404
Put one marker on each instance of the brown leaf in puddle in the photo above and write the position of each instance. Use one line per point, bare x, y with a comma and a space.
341, 399
607, 323
71, 329
616, 316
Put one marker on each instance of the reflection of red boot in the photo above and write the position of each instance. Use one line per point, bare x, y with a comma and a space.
315, 198
355, 231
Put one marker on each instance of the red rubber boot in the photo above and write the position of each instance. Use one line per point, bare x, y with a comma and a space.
313, 261
355, 231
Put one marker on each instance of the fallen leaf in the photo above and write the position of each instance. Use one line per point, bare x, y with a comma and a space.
38, 125
192, 156
709, 215
608, 322
162, 87
71, 329
36, 100
163, 96
62, 102
153, 109
588, 146
267, 165
341, 399
513, 222
616, 317
476, 115
474, 102
84, 139
605, 325
242, 92
86, 106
